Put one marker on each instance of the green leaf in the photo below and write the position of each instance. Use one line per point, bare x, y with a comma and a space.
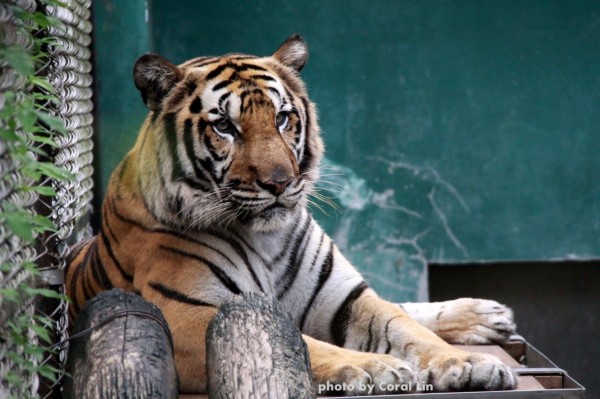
20, 224
54, 171
42, 333
37, 150
45, 140
10, 294
13, 378
52, 122
42, 223
45, 292
30, 267
9, 134
18, 59
47, 373
43, 190
27, 118
42, 83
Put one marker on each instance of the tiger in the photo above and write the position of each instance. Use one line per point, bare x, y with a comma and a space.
212, 201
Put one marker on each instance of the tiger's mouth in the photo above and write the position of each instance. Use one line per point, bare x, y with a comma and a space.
257, 207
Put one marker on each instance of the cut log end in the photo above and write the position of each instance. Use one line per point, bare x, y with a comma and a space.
255, 351
127, 352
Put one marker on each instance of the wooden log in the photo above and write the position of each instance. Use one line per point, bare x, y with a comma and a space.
123, 349
255, 351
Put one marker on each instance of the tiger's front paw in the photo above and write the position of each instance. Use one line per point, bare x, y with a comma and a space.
475, 322
457, 371
364, 374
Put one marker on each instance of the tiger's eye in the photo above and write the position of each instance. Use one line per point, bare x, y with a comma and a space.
281, 118
223, 125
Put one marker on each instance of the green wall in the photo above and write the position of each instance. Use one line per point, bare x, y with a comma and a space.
456, 131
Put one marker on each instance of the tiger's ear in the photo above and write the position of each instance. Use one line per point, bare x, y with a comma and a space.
155, 76
293, 52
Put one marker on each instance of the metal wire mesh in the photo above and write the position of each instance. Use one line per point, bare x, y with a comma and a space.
68, 69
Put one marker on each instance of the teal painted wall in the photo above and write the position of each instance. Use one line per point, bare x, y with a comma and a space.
456, 131
121, 35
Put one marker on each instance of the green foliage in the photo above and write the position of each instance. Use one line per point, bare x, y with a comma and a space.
29, 131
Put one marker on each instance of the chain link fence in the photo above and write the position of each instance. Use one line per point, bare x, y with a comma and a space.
68, 69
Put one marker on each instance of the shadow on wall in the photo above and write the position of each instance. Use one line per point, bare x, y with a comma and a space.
557, 307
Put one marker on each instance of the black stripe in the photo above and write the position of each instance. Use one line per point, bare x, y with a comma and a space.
99, 271
188, 139
339, 323
88, 291
223, 98
370, 334
203, 61
314, 261
221, 85
211, 148
216, 72
237, 247
186, 238
263, 77
75, 250
293, 267
176, 295
298, 132
139, 180
196, 185
216, 270
324, 274
196, 106
288, 242
171, 134
123, 218
387, 328
244, 67
250, 248
242, 57
73, 293
75, 279
274, 91
108, 228
191, 86
176, 96
243, 96
209, 165
112, 256
202, 125
308, 156
155, 115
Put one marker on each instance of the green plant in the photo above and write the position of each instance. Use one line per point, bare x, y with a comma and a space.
28, 131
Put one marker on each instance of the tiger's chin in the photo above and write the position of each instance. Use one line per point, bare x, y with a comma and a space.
271, 219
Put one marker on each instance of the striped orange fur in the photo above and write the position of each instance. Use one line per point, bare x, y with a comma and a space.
212, 201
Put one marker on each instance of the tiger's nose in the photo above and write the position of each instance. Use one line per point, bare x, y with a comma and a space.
275, 186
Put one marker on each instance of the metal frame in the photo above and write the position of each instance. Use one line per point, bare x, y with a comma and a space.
535, 364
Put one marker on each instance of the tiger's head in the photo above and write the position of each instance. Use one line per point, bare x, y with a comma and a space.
229, 140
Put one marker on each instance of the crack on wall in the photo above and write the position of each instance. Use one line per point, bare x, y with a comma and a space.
376, 237
442, 216
426, 172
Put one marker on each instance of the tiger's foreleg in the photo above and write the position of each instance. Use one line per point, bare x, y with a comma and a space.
465, 321
378, 326
347, 371
188, 324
